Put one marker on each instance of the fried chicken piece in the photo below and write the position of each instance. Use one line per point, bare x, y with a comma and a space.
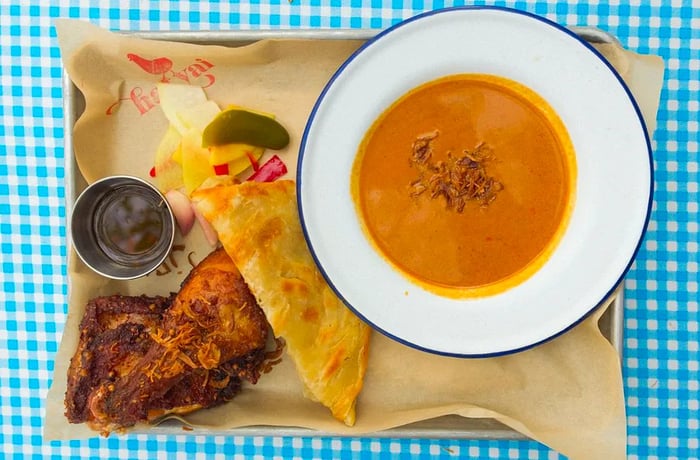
113, 336
191, 351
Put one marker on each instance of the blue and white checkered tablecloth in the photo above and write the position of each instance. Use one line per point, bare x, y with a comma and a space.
661, 346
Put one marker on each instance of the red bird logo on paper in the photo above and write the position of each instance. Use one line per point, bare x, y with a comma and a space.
196, 73
157, 66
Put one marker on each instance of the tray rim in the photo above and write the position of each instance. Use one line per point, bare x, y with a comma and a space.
232, 38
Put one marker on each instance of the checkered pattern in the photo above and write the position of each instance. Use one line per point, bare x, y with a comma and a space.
661, 362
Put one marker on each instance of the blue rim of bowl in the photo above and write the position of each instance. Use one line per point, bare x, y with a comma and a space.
370, 42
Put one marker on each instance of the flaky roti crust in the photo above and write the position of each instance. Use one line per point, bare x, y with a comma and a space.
258, 225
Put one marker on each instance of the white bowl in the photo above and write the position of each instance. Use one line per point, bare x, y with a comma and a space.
612, 194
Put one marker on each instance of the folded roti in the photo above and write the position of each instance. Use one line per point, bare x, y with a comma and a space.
258, 225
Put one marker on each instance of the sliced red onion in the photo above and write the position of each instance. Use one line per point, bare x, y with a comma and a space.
209, 232
182, 210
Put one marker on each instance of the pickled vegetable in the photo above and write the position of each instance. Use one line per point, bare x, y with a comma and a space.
239, 165
237, 126
219, 154
273, 169
176, 98
195, 163
168, 161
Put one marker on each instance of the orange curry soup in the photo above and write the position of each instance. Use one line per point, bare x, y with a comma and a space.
465, 184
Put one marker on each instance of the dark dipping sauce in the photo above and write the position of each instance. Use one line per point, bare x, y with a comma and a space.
130, 225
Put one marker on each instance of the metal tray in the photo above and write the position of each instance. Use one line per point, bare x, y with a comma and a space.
446, 427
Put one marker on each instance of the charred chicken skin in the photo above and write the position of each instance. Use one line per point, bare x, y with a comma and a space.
140, 358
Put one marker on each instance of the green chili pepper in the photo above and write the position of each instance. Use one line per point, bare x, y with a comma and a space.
235, 126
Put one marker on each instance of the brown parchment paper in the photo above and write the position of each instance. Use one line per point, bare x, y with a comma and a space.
566, 393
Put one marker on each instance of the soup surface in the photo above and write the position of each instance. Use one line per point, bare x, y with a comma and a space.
466, 183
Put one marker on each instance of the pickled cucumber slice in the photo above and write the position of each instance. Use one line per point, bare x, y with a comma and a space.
195, 162
237, 126
168, 171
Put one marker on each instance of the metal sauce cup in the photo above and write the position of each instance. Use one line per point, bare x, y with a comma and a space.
122, 227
